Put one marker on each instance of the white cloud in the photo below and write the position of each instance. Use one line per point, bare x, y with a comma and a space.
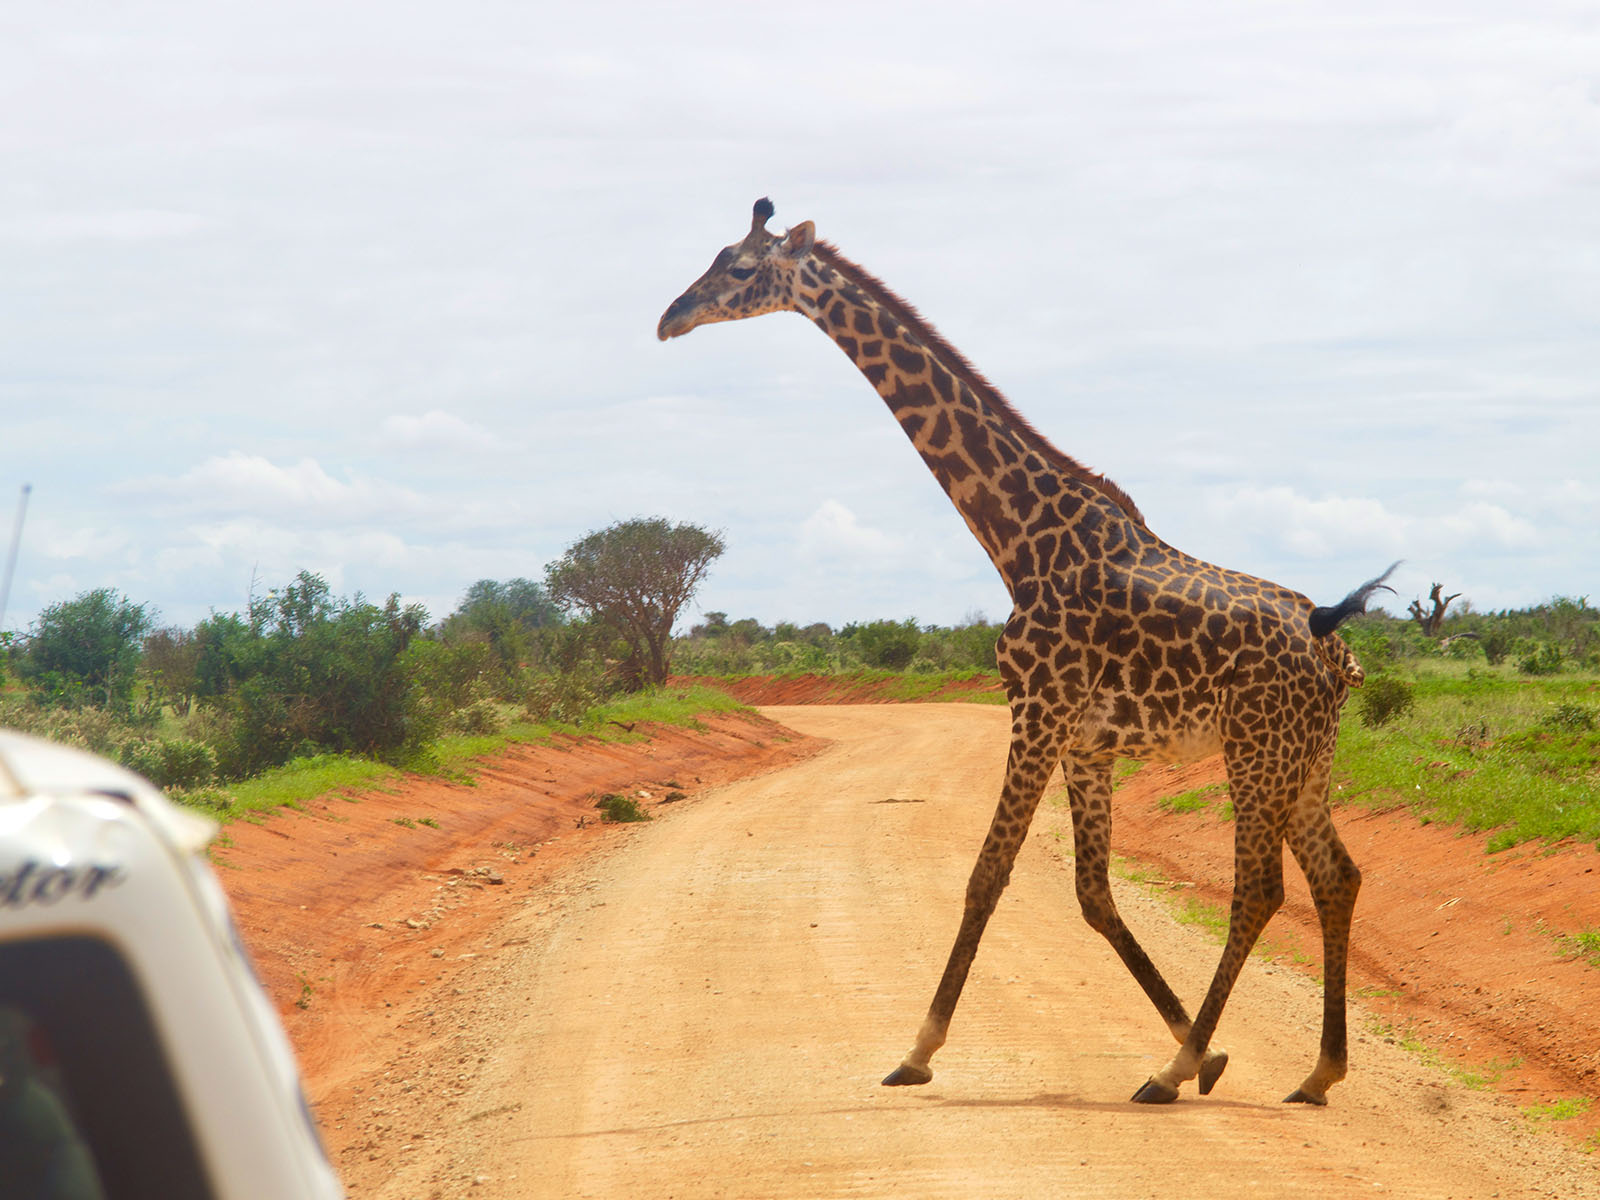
250, 483
440, 431
128, 225
1304, 526
55, 540
298, 277
1335, 526
1475, 524
833, 532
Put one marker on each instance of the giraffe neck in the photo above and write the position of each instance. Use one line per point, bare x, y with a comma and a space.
1004, 477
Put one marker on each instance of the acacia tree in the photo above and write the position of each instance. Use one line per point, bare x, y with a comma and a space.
635, 576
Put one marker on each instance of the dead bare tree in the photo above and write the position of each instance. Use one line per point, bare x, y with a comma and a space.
1431, 619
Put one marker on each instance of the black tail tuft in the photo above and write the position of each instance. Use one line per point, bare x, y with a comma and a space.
1325, 620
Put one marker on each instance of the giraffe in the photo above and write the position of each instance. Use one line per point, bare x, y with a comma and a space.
1118, 646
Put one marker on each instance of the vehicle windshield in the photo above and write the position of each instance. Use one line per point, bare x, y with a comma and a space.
88, 1107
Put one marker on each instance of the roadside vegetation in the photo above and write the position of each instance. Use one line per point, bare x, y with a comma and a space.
906, 660
1486, 720
305, 692
1493, 723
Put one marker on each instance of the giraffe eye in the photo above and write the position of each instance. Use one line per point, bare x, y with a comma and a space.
741, 272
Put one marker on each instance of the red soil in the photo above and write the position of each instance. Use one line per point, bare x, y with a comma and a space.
832, 689
339, 901
1451, 943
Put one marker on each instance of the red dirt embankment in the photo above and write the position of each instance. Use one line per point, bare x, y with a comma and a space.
834, 689
1451, 944
364, 913
1461, 949
340, 901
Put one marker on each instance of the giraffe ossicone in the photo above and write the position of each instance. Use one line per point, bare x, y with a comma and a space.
1118, 646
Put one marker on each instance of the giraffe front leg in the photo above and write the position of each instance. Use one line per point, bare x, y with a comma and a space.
1026, 775
988, 880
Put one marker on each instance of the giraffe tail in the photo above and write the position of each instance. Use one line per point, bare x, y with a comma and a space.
1325, 620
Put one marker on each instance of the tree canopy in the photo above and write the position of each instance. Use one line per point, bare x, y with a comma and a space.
635, 576
87, 649
520, 600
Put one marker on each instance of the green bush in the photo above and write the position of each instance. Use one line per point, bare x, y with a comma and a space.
479, 717
1383, 699
1496, 645
309, 674
887, 645
796, 658
170, 762
1571, 717
1545, 659
618, 808
208, 798
450, 675
91, 729
562, 697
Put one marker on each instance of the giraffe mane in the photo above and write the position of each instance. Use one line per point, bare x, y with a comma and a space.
986, 392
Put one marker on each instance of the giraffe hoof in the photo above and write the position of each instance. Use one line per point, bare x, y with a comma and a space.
1301, 1096
906, 1075
1211, 1069
1155, 1092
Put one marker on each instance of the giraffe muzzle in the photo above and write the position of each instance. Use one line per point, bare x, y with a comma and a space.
674, 322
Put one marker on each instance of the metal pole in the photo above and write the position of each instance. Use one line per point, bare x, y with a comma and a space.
11, 558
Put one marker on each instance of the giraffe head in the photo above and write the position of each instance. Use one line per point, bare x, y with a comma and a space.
751, 277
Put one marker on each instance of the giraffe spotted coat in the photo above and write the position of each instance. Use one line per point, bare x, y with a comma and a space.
1118, 646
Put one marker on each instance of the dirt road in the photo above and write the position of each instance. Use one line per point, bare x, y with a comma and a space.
706, 1011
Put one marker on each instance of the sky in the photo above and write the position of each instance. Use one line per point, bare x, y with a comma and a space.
370, 289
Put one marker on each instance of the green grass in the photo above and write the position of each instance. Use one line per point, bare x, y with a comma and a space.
1486, 749
609, 721
1558, 1110
1212, 918
1122, 770
451, 757
1584, 944
1138, 872
1201, 799
907, 688
302, 779
1479, 1077
1375, 992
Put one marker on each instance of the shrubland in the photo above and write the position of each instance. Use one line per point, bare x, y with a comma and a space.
746, 647
1492, 723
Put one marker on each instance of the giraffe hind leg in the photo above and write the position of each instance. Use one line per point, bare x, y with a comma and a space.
1089, 787
1334, 880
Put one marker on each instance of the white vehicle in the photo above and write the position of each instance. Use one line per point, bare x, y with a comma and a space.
139, 1056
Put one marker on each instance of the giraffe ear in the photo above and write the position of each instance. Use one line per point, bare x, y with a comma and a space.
799, 240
